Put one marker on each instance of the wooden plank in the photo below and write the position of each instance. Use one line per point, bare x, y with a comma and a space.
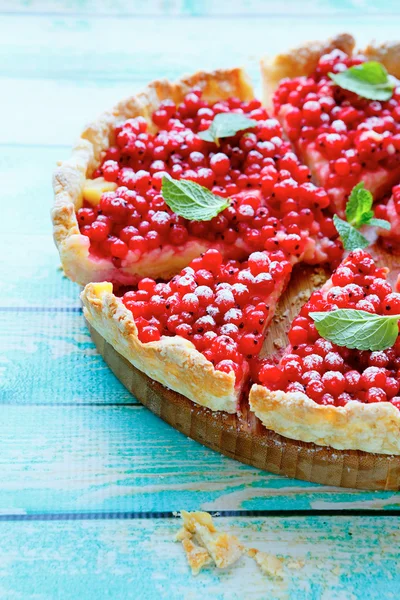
40, 282
56, 459
82, 77
138, 560
60, 111
28, 197
196, 8
47, 357
159, 47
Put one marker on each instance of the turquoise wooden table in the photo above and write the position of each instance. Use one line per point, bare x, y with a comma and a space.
89, 479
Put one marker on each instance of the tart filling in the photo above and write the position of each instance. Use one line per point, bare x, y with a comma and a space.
336, 396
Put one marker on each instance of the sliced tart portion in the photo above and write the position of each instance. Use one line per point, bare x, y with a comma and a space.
197, 333
112, 222
127, 150
332, 395
342, 136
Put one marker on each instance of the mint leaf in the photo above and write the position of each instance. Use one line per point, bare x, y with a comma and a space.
351, 238
358, 213
358, 207
369, 80
225, 125
357, 328
191, 200
381, 223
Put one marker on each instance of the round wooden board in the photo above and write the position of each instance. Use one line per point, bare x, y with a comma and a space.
244, 438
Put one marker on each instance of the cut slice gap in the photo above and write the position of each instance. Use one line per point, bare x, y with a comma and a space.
330, 395
304, 280
379, 182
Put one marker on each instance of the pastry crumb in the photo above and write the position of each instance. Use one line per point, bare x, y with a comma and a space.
295, 564
204, 544
200, 538
279, 343
183, 534
319, 277
197, 556
269, 564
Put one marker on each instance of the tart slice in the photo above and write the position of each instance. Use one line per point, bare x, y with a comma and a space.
332, 395
342, 136
197, 333
107, 192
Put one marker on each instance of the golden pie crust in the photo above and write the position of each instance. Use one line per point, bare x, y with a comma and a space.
299, 61
303, 60
70, 177
356, 426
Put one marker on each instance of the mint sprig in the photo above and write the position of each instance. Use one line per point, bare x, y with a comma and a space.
357, 328
225, 125
369, 80
351, 238
191, 200
358, 207
358, 213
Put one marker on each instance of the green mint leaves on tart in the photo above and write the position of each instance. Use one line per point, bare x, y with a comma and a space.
358, 207
369, 80
358, 213
191, 200
351, 238
225, 125
357, 328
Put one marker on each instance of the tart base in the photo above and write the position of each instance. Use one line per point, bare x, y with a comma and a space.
244, 438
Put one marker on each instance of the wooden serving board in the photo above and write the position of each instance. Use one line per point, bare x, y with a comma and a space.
243, 437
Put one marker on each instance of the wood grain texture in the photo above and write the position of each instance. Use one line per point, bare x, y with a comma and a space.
324, 559
196, 8
125, 60
58, 72
115, 459
47, 357
80, 77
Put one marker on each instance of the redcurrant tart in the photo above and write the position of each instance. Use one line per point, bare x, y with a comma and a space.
189, 302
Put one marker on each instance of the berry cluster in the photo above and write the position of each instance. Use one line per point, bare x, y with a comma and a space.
355, 135
222, 307
273, 202
335, 375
